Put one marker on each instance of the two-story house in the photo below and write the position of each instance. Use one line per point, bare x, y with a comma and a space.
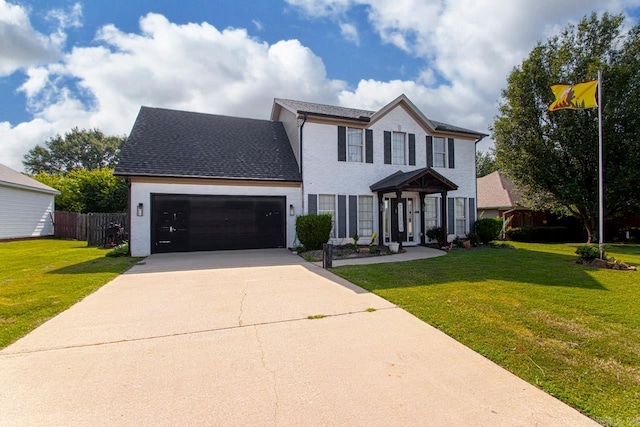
206, 182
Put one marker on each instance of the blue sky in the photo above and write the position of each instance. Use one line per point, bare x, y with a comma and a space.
93, 63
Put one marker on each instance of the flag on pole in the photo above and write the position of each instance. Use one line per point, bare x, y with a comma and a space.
576, 97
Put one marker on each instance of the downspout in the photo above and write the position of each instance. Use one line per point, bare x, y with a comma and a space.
304, 120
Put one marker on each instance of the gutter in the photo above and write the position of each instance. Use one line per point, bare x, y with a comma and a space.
304, 120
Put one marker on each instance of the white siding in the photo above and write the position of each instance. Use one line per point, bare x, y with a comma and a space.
324, 174
25, 213
140, 243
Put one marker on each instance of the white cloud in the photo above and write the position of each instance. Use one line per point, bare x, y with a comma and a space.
350, 33
191, 67
20, 45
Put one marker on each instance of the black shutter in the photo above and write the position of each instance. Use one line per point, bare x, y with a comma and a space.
342, 216
451, 216
369, 145
353, 215
313, 204
429, 151
472, 214
342, 144
452, 155
412, 149
387, 147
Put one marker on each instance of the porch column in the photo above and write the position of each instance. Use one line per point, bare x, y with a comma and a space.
404, 208
380, 223
422, 230
443, 214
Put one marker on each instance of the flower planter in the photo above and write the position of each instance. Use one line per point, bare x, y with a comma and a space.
394, 247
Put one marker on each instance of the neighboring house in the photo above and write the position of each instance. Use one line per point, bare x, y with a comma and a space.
498, 198
207, 182
26, 206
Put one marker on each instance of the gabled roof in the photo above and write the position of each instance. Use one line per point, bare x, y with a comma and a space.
496, 192
422, 180
366, 116
170, 143
12, 178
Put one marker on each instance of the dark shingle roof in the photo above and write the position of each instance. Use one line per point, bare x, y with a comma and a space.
327, 110
186, 144
362, 115
425, 179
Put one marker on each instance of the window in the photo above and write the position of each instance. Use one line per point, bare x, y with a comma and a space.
439, 153
365, 216
461, 217
327, 205
430, 212
398, 149
354, 144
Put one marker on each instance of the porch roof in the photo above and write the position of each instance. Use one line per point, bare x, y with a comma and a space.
424, 180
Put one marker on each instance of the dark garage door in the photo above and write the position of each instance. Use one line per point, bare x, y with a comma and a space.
185, 223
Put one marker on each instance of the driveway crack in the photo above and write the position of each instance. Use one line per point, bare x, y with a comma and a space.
273, 375
244, 295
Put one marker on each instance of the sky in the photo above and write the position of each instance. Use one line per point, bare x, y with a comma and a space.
93, 64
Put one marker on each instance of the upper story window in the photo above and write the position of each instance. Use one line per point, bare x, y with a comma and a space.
439, 153
354, 145
398, 149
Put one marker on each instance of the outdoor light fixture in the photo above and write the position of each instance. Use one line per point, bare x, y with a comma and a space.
292, 210
140, 209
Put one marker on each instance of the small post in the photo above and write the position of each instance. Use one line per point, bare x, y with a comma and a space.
327, 255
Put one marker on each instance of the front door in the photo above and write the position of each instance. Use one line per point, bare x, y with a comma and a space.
396, 225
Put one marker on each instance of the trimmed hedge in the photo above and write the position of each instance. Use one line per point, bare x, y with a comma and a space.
538, 234
488, 229
313, 230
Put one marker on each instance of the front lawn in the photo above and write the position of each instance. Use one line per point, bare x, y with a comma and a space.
41, 278
572, 330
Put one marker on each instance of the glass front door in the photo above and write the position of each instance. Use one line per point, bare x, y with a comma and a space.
398, 217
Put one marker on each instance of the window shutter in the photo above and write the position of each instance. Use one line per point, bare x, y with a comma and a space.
452, 155
429, 151
313, 204
369, 146
472, 214
342, 216
353, 215
412, 149
387, 147
451, 216
342, 144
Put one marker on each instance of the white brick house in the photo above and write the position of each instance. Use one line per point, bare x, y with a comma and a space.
207, 182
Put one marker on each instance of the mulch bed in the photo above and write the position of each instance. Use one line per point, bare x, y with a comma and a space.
345, 252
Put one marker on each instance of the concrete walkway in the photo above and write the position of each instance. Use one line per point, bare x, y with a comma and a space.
254, 338
410, 253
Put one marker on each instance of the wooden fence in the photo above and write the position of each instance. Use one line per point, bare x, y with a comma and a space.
95, 228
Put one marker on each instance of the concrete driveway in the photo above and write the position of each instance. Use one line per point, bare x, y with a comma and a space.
254, 338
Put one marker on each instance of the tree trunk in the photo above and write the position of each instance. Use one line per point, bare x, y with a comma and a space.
590, 225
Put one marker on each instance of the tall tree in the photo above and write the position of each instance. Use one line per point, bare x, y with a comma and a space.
553, 156
85, 149
485, 163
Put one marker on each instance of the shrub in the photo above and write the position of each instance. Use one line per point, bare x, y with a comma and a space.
588, 252
538, 234
120, 250
435, 233
313, 230
488, 229
473, 238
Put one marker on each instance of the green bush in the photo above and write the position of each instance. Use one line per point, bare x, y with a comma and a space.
313, 230
588, 252
538, 234
488, 229
435, 233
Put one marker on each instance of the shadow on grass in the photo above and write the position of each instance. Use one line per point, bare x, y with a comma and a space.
98, 265
475, 266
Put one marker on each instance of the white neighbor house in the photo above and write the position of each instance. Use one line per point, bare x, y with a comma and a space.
207, 182
26, 206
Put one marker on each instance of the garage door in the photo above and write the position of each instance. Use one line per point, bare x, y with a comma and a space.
186, 223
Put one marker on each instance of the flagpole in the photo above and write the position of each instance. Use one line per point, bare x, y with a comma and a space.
600, 183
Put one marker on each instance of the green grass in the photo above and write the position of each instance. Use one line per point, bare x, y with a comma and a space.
41, 278
572, 330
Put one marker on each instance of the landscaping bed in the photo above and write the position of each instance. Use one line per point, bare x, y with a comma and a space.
346, 252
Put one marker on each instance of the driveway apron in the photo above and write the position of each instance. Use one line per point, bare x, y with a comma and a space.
254, 338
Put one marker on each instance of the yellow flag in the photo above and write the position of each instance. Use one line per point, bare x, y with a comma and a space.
576, 97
